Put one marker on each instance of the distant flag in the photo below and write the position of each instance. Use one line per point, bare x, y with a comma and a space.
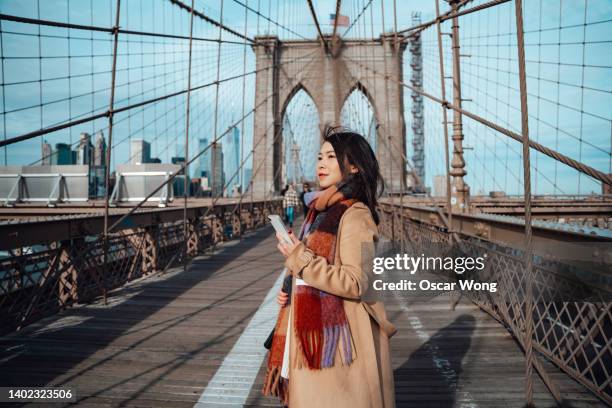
343, 21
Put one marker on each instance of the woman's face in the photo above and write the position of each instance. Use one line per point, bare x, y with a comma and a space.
328, 168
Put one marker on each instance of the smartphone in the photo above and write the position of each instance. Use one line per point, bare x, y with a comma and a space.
279, 226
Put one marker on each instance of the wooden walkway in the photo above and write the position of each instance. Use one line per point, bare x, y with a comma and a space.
174, 340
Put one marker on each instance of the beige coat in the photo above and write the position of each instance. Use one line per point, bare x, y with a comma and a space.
368, 381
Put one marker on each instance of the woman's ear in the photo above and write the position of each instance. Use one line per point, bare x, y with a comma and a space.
353, 169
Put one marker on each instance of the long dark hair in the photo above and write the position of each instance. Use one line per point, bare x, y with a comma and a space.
351, 148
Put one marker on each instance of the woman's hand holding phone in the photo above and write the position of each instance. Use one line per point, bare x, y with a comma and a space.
282, 298
284, 247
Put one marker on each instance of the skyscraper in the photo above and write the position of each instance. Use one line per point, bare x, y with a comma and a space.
218, 176
140, 151
85, 150
233, 155
62, 155
99, 158
205, 161
46, 154
98, 168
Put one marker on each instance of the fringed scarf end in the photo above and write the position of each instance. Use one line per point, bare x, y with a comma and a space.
276, 385
312, 342
346, 351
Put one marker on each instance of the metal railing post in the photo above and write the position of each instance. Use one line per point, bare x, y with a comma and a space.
528, 343
459, 189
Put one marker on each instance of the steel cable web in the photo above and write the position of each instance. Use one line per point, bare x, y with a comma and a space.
557, 119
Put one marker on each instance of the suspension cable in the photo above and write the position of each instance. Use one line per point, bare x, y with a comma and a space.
210, 20
316, 21
338, 2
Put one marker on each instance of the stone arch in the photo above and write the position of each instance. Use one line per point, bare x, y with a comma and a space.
308, 132
360, 88
294, 91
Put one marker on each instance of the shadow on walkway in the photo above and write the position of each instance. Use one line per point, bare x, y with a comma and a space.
434, 369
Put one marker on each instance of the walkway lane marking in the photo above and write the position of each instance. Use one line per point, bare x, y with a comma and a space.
231, 384
443, 366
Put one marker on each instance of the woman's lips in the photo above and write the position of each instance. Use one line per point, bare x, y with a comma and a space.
321, 175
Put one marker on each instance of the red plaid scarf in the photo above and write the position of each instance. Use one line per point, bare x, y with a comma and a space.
320, 322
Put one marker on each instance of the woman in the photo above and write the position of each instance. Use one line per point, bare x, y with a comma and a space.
331, 348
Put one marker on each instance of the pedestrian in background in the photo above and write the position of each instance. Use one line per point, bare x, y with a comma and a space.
290, 201
282, 193
305, 189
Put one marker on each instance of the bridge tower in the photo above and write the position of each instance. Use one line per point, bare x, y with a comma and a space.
418, 122
328, 75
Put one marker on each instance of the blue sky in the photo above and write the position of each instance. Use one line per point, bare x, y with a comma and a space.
573, 116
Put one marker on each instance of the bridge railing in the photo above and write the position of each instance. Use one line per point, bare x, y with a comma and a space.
49, 265
572, 291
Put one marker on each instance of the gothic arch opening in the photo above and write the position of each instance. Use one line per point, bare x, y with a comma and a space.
301, 137
358, 114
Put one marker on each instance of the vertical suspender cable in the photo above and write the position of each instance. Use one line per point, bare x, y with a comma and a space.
129, 83
251, 186
374, 79
3, 93
244, 55
278, 19
40, 76
269, 14
387, 130
185, 164
402, 169
584, 27
93, 96
110, 141
527, 191
70, 69
142, 64
265, 135
214, 146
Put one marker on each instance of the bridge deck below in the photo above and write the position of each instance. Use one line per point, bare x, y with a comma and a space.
184, 337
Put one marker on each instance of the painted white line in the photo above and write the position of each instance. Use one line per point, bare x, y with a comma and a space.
232, 382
